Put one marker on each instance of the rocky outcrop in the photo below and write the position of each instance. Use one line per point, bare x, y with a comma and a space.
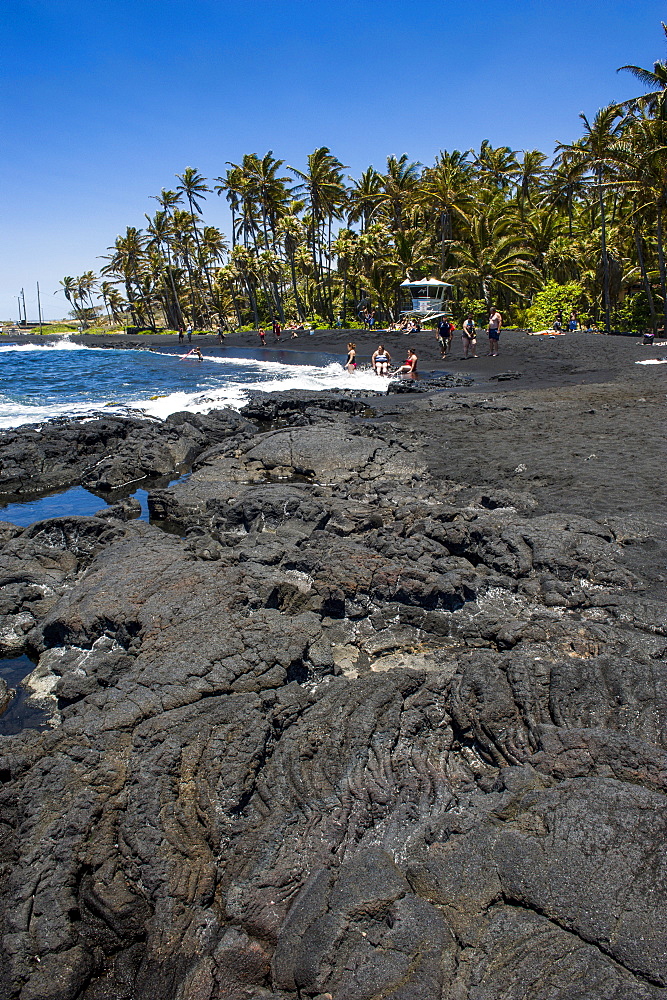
348, 730
104, 454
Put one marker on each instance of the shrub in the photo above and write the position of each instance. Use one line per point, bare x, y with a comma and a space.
553, 297
633, 314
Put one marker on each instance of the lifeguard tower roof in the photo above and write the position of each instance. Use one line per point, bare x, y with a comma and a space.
429, 298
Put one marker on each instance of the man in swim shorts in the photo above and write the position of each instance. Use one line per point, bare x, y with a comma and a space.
495, 324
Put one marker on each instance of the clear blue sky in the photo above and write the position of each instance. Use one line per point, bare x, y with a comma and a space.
103, 101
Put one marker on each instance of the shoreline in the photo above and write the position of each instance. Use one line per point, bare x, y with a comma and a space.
528, 362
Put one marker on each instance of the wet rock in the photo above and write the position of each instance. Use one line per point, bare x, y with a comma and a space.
407, 385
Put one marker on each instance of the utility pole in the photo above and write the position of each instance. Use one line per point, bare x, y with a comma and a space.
25, 315
39, 309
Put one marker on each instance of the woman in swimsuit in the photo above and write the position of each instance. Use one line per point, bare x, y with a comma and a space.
380, 361
410, 365
351, 362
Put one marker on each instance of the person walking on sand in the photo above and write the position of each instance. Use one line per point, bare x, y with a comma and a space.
495, 325
262, 336
380, 361
189, 332
443, 335
277, 329
469, 338
351, 362
181, 335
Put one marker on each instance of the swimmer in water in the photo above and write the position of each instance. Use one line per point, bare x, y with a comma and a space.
200, 356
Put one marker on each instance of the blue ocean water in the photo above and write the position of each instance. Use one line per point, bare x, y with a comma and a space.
61, 378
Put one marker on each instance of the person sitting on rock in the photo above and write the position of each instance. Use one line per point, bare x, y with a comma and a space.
380, 361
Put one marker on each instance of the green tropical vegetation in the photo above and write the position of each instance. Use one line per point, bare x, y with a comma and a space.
583, 230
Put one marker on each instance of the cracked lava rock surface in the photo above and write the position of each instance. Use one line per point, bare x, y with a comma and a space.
382, 714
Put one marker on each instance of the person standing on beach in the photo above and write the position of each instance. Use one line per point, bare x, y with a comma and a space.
277, 329
469, 338
262, 336
189, 332
351, 362
442, 335
495, 325
181, 335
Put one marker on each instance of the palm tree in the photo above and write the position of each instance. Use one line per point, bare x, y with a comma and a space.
492, 256
323, 188
364, 198
292, 233
128, 262
654, 80
599, 150
646, 176
498, 166
231, 185
563, 184
161, 230
398, 184
70, 286
113, 301
445, 192
531, 175
193, 186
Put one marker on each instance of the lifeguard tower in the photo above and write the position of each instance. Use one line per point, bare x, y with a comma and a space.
430, 298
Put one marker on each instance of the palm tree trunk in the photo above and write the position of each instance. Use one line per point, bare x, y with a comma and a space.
289, 250
344, 295
237, 309
647, 283
605, 258
253, 303
661, 264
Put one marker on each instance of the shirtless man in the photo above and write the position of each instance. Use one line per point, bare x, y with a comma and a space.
495, 325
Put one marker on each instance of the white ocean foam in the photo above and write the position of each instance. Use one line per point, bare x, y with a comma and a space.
235, 393
55, 345
13, 414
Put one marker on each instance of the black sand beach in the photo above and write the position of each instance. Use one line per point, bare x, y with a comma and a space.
376, 706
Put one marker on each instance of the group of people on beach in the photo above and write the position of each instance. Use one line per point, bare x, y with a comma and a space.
294, 329
407, 325
445, 329
381, 361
